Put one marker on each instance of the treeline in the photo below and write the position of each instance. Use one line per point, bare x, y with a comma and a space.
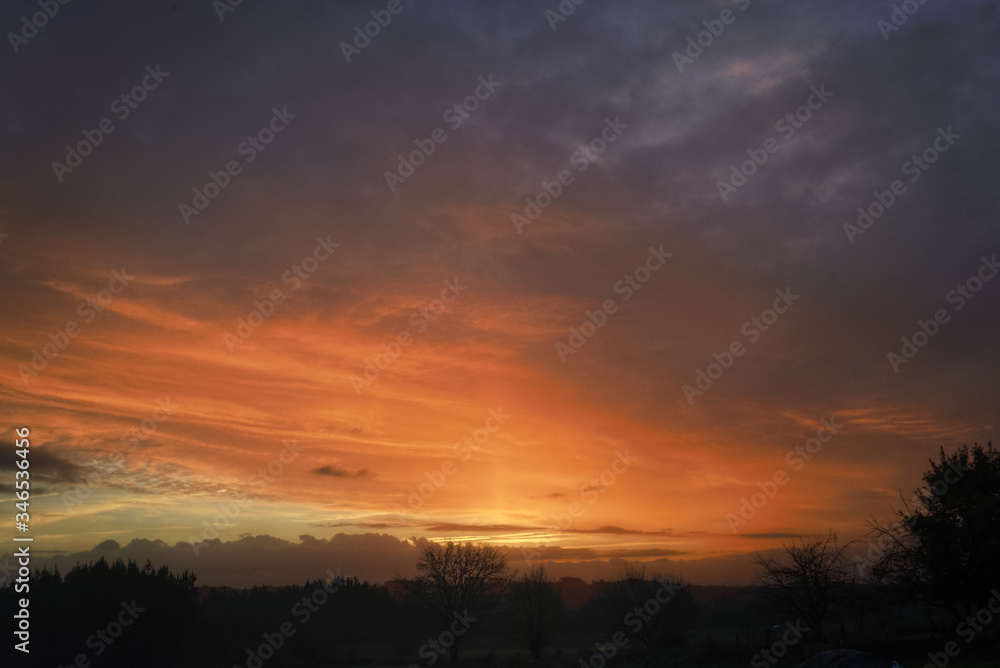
124, 615
925, 584
121, 614
109, 614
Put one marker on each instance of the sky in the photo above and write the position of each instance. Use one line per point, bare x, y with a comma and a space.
587, 281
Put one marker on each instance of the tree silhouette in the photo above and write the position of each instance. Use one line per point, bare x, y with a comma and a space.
536, 610
944, 551
461, 580
809, 584
118, 613
648, 606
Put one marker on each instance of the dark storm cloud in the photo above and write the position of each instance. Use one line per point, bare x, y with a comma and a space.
51, 466
46, 466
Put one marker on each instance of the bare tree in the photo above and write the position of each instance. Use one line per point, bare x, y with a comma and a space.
812, 580
461, 580
536, 609
649, 606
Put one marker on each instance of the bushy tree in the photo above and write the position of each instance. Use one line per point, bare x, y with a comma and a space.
943, 551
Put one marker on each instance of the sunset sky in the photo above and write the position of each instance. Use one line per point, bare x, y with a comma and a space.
157, 394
